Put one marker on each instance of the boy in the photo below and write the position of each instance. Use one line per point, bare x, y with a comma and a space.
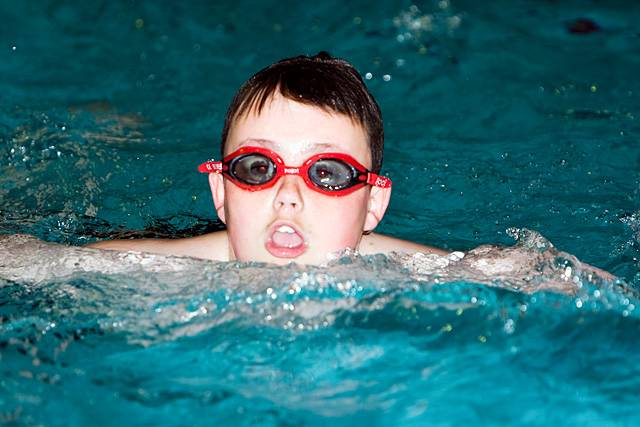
302, 146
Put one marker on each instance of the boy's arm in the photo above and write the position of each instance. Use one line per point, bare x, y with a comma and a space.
211, 246
378, 243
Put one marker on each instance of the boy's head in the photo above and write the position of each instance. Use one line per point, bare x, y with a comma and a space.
285, 121
322, 81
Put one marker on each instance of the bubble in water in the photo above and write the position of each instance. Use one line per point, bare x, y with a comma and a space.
509, 326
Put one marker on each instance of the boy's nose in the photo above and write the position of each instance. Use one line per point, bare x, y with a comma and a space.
288, 195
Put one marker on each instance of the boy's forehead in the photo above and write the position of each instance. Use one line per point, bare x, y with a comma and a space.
298, 127
302, 146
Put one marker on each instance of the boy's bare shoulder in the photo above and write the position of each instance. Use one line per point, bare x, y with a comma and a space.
213, 246
379, 243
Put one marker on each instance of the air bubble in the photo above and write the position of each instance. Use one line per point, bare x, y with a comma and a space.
509, 326
368, 76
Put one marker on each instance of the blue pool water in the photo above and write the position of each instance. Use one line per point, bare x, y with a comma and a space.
497, 115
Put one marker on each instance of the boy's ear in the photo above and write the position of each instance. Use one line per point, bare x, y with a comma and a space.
378, 202
217, 191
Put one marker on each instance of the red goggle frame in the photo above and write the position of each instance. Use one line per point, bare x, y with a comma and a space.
360, 176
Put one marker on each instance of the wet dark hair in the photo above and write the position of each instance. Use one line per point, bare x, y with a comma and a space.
323, 81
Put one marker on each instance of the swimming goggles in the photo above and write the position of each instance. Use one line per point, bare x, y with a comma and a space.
332, 174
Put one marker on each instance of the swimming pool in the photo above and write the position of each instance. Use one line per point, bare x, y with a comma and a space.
508, 114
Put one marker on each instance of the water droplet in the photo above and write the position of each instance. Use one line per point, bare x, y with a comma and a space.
509, 326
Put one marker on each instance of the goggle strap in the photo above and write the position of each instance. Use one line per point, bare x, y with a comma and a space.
378, 181
210, 167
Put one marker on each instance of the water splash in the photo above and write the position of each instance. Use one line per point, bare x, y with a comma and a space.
533, 264
159, 297
144, 330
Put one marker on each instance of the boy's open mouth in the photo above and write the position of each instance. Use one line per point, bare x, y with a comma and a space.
285, 241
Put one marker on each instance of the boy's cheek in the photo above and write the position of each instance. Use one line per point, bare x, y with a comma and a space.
341, 227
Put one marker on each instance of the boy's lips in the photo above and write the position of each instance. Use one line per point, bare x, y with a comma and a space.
285, 241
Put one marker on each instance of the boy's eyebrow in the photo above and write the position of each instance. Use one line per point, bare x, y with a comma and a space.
257, 141
267, 143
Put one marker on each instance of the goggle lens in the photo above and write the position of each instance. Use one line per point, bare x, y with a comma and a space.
252, 169
332, 174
